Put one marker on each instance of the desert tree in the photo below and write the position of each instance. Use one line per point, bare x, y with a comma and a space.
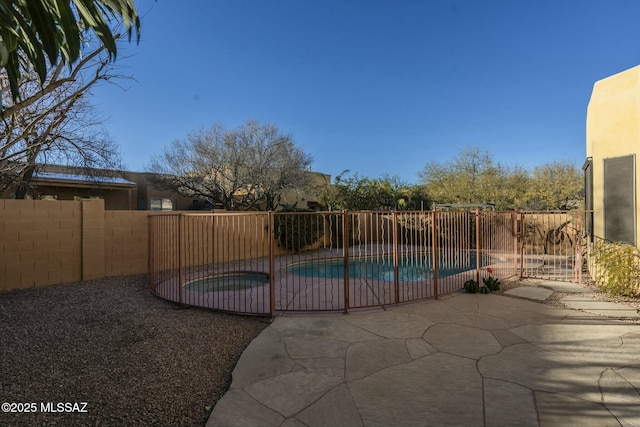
355, 192
471, 177
36, 35
405, 196
249, 167
53, 121
556, 185
417, 198
514, 192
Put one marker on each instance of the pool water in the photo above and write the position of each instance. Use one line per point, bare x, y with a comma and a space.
410, 268
228, 282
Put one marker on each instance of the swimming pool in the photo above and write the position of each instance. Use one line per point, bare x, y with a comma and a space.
411, 267
236, 281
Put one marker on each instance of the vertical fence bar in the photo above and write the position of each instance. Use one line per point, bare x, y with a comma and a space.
434, 250
272, 286
345, 255
521, 235
151, 249
180, 250
578, 250
478, 245
514, 231
396, 281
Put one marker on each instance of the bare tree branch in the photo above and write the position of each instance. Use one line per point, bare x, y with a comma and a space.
55, 121
247, 167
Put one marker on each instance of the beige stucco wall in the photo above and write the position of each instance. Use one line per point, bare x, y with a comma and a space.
50, 242
613, 130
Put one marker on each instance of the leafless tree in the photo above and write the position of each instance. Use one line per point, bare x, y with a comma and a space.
248, 167
54, 122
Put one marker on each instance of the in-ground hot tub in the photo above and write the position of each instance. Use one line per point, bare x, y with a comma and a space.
225, 282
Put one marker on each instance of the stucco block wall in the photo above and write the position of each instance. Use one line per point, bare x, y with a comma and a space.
126, 242
92, 239
50, 242
613, 130
40, 243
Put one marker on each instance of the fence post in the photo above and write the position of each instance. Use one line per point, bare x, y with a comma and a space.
435, 252
180, 252
345, 254
272, 288
478, 245
396, 282
578, 251
514, 225
152, 230
522, 243
151, 252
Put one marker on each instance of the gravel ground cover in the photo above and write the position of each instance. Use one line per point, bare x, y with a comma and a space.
133, 358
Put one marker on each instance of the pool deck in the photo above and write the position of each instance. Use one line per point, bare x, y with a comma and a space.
465, 359
300, 293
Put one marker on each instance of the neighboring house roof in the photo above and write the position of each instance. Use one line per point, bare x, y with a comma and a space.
74, 179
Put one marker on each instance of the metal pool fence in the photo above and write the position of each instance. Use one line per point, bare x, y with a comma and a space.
265, 263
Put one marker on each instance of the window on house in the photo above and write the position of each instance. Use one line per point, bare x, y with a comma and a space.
160, 204
619, 199
588, 195
80, 198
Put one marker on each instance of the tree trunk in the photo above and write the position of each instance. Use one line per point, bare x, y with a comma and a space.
25, 182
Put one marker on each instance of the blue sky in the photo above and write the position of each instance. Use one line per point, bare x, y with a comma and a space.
373, 86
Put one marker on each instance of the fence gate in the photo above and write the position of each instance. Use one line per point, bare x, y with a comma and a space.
553, 245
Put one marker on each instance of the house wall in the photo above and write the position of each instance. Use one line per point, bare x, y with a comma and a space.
146, 191
137, 195
114, 199
142, 190
613, 130
319, 184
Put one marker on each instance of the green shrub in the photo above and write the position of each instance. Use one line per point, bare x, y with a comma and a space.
294, 232
471, 286
617, 268
492, 283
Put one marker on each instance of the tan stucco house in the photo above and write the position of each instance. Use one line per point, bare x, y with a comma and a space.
124, 190
613, 146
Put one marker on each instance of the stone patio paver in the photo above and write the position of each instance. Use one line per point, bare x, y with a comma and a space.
470, 359
538, 294
590, 305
